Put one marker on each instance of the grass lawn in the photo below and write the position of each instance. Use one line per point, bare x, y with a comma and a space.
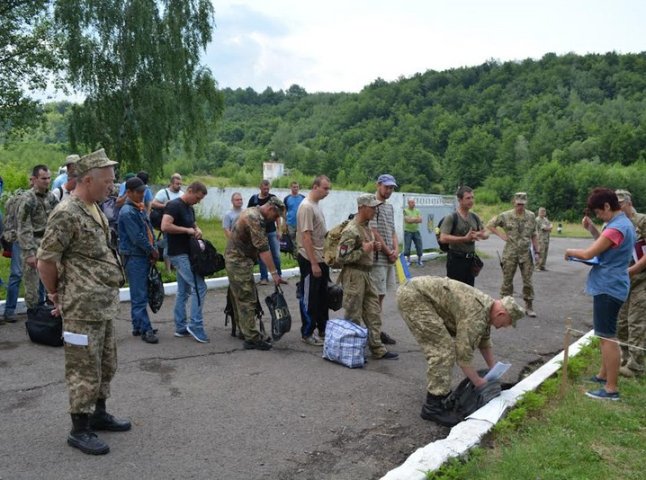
574, 437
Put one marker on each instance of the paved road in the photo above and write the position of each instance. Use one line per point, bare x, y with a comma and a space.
217, 411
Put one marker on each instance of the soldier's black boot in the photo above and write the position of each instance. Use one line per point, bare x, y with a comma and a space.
102, 420
435, 411
83, 438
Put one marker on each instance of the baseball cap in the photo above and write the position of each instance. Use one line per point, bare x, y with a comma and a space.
520, 197
277, 202
71, 159
387, 179
92, 160
623, 195
515, 311
135, 184
368, 200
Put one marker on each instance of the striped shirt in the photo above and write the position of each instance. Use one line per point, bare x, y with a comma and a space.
384, 223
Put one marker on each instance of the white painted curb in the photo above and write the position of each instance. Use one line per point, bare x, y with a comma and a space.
469, 433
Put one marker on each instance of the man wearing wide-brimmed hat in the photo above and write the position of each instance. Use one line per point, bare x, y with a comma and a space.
70, 168
85, 291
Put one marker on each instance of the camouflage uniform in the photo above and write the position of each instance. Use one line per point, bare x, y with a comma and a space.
543, 240
516, 253
90, 274
360, 298
33, 211
248, 239
631, 323
449, 319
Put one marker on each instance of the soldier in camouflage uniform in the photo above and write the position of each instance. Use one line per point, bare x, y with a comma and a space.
449, 319
520, 229
543, 230
357, 247
247, 243
33, 211
82, 275
631, 322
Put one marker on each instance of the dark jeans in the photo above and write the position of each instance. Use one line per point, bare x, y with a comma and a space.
415, 237
313, 297
460, 267
274, 248
137, 271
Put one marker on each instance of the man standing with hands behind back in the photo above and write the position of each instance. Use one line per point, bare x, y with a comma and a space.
85, 290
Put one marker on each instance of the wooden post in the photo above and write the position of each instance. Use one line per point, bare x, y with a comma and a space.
566, 348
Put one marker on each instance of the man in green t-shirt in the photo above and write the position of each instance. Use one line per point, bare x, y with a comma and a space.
412, 219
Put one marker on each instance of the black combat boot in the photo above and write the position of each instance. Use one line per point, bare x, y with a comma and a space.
102, 420
435, 411
83, 438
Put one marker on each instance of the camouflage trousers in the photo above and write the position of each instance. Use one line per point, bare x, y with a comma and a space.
509, 265
436, 342
243, 293
631, 325
89, 369
544, 246
361, 305
33, 289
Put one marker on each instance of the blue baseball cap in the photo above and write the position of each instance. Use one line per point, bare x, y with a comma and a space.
387, 179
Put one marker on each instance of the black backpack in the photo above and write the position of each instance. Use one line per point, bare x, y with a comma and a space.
466, 399
205, 259
445, 246
229, 313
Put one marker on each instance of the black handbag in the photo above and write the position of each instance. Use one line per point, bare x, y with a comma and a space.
43, 327
155, 289
281, 319
477, 265
334, 296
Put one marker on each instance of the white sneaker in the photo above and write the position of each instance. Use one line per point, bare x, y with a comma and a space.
312, 340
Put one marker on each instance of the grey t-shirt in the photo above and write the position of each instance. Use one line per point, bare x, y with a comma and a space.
230, 219
463, 226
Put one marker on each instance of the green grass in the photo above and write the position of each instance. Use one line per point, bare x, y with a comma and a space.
574, 437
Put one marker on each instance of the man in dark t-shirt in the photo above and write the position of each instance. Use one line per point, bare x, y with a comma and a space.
179, 224
258, 200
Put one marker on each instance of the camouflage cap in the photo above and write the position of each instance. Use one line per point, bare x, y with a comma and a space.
71, 159
278, 203
623, 195
92, 160
368, 200
515, 311
520, 198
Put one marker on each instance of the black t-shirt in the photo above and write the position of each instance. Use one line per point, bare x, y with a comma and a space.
255, 201
183, 216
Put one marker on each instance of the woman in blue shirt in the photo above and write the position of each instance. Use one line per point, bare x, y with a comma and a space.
608, 281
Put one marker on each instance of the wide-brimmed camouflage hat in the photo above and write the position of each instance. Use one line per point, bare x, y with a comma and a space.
520, 198
92, 160
516, 312
71, 159
623, 195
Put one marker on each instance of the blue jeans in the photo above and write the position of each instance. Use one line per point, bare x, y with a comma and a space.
274, 248
187, 283
15, 277
415, 237
137, 271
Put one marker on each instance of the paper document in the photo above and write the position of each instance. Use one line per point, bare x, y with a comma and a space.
592, 261
75, 339
497, 371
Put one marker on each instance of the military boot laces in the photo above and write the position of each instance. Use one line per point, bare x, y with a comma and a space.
84, 439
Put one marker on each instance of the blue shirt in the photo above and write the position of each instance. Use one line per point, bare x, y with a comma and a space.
611, 275
133, 231
292, 202
60, 180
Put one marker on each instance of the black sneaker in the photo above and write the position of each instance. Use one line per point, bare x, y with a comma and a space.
10, 318
88, 442
387, 339
257, 345
389, 356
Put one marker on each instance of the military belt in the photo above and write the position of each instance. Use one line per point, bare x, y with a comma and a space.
461, 254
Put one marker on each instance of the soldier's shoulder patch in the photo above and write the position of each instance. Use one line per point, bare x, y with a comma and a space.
343, 250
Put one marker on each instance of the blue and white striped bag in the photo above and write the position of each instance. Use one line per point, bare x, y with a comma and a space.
345, 343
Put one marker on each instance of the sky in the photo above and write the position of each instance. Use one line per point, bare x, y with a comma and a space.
344, 45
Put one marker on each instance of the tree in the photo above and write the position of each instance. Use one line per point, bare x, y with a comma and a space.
27, 58
138, 63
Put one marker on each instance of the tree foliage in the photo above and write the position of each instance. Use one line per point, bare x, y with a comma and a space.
27, 58
138, 61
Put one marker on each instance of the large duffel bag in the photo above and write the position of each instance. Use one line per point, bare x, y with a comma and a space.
345, 343
43, 327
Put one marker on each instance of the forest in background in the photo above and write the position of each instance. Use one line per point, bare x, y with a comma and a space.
554, 127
